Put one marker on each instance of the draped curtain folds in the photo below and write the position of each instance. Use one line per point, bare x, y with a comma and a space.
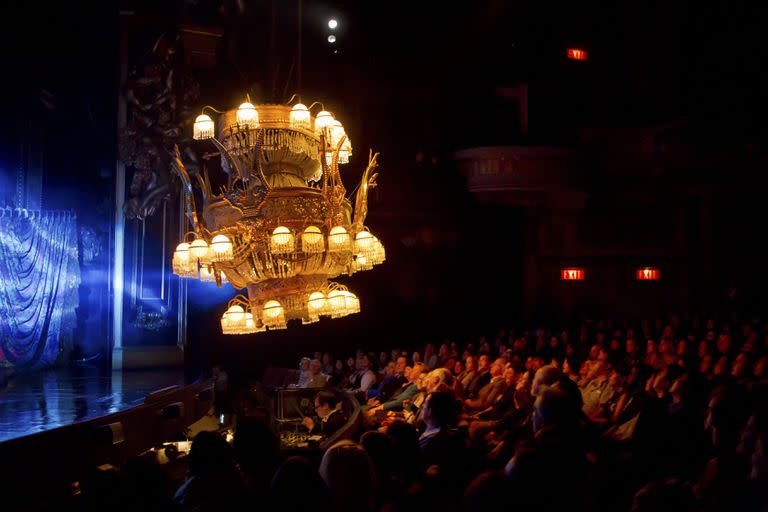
39, 280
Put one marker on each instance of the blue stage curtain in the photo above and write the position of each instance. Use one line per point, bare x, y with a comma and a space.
39, 279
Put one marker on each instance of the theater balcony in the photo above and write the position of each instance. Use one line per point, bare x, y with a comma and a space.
522, 175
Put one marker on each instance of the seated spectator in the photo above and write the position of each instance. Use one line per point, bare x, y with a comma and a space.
407, 394
304, 373
316, 379
348, 472
329, 417
481, 377
298, 474
441, 445
491, 391
213, 482
391, 383
364, 378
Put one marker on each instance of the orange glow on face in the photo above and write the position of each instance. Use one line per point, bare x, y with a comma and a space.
648, 274
576, 54
572, 274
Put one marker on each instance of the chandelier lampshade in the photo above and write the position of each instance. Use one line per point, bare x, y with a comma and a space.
203, 127
337, 304
221, 248
284, 225
351, 303
183, 264
198, 248
274, 315
247, 116
338, 240
312, 240
322, 120
317, 305
379, 254
281, 241
364, 242
300, 117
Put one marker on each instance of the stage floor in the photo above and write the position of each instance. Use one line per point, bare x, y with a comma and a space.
54, 398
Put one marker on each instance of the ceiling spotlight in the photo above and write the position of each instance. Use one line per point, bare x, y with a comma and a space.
332, 23
331, 38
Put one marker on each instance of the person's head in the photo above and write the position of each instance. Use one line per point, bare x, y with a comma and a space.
705, 365
255, 447
444, 351
721, 366
304, 364
615, 344
416, 357
680, 388
400, 365
440, 410
325, 402
383, 358
726, 416
407, 372
724, 343
760, 366
298, 473
327, 359
510, 376
416, 372
650, 347
210, 455
351, 363
348, 472
594, 350
437, 377
631, 346
483, 363
670, 495
740, 366
381, 450
545, 377
391, 369
469, 363
497, 368
555, 407
339, 365
363, 362
429, 349
458, 368
315, 366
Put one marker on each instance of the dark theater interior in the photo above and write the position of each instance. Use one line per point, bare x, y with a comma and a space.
361, 256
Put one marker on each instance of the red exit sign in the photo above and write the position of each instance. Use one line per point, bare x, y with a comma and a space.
577, 54
648, 274
572, 274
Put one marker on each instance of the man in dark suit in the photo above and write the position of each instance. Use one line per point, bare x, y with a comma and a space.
329, 416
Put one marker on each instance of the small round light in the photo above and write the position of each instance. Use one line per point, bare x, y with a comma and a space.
316, 302
182, 251
312, 240
236, 313
332, 23
322, 120
203, 127
331, 38
247, 115
363, 241
300, 116
199, 248
221, 243
273, 309
281, 241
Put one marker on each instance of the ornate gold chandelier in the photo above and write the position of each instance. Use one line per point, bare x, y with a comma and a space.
282, 226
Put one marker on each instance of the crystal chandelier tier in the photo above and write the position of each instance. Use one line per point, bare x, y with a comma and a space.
282, 226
